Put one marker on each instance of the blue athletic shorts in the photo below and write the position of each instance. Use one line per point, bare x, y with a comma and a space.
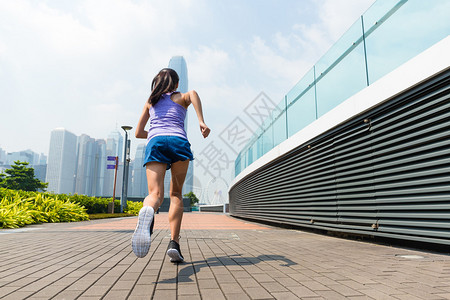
167, 149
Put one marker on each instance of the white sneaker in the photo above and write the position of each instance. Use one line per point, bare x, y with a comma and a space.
141, 240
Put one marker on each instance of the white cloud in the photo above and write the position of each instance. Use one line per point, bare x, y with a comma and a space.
209, 65
271, 61
337, 16
287, 56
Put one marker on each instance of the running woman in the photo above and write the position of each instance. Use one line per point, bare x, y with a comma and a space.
167, 148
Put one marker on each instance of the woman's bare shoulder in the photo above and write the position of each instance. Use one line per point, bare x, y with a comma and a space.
180, 98
187, 96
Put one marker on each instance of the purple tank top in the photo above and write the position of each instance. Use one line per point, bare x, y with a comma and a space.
166, 118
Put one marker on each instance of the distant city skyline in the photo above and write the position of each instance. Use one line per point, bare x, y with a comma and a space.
35, 160
78, 165
28, 155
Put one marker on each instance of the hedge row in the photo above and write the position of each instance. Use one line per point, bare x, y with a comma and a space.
20, 208
93, 205
17, 210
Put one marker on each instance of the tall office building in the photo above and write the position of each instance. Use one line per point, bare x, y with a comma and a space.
61, 161
179, 65
114, 147
138, 177
85, 171
42, 159
114, 144
100, 163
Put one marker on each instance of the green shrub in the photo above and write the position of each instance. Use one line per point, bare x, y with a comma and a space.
19, 208
94, 205
14, 214
193, 198
133, 208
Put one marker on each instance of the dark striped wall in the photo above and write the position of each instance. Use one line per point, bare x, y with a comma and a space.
385, 173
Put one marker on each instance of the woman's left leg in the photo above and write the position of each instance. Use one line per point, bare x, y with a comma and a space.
179, 170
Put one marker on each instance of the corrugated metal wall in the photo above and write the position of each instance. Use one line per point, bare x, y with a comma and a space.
385, 173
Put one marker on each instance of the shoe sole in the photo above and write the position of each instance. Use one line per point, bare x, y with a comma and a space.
175, 256
141, 240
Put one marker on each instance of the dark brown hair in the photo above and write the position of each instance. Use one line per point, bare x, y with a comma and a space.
165, 82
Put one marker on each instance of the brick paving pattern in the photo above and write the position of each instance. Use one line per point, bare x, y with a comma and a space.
226, 258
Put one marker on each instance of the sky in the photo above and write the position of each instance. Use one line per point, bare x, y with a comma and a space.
87, 65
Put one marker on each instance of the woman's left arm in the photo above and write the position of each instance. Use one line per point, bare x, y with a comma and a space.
141, 133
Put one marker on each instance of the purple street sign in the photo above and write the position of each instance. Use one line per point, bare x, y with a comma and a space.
111, 158
110, 167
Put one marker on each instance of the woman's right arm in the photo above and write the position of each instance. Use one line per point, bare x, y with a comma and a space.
141, 133
195, 100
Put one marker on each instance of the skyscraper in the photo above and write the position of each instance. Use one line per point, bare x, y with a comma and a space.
85, 171
179, 65
139, 179
99, 167
114, 144
61, 161
114, 147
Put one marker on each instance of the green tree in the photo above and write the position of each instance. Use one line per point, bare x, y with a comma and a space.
21, 177
192, 197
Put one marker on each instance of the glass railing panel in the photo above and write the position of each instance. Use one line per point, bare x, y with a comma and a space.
379, 11
250, 157
394, 36
303, 86
237, 165
301, 113
301, 104
279, 124
252, 139
343, 81
349, 40
340, 79
245, 161
254, 151
259, 146
268, 140
265, 134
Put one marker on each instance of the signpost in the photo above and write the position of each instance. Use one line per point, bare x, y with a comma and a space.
116, 160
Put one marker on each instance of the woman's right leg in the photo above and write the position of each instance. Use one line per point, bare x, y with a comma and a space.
156, 172
141, 239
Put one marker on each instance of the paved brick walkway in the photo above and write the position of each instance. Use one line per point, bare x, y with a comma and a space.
226, 258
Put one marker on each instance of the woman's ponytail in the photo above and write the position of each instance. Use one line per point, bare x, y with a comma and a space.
166, 81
